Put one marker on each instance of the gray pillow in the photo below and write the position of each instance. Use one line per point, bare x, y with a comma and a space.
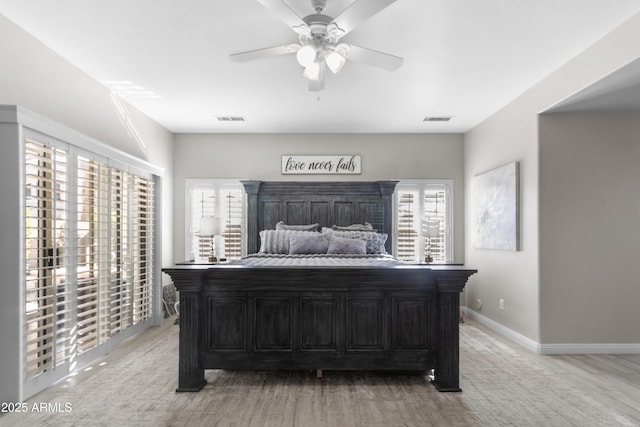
308, 244
357, 227
305, 227
375, 241
344, 245
277, 241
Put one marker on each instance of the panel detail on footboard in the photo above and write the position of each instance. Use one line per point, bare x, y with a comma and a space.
365, 324
273, 324
227, 324
412, 322
319, 323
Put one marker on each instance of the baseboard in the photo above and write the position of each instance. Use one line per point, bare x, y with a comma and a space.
512, 335
533, 346
589, 348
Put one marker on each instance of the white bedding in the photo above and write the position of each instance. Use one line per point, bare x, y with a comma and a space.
336, 260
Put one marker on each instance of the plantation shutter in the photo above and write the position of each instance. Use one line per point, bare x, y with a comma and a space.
434, 222
93, 254
47, 295
422, 222
407, 224
232, 218
202, 205
142, 216
121, 282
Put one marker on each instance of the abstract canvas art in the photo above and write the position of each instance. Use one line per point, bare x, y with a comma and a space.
496, 213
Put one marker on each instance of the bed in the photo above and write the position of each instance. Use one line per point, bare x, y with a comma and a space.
318, 311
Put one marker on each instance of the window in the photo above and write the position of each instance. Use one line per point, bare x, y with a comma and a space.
214, 198
424, 221
88, 251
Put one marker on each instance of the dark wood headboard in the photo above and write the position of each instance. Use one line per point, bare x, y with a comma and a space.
327, 203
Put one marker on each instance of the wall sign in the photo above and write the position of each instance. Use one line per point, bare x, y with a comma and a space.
345, 164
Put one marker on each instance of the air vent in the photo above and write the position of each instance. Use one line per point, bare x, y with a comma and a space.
231, 119
437, 119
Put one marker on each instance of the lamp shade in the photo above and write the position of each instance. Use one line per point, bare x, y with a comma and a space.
431, 228
210, 226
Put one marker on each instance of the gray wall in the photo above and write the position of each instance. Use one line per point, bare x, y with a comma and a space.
589, 233
257, 156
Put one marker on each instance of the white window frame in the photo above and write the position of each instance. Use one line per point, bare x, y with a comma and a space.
421, 185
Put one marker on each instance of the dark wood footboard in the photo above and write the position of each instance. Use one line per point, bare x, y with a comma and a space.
399, 318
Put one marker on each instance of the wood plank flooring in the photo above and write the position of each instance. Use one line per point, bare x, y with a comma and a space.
503, 385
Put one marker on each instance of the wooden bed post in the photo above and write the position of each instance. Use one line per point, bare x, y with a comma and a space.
447, 370
190, 371
386, 190
252, 188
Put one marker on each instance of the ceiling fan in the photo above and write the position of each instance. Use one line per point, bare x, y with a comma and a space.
319, 46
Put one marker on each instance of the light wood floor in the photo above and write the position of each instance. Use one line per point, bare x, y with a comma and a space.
611, 380
503, 385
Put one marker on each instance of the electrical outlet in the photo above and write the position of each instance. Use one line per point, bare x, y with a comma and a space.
501, 304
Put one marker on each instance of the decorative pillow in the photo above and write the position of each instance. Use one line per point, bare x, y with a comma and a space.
306, 227
277, 241
375, 241
308, 243
344, 245
357, 227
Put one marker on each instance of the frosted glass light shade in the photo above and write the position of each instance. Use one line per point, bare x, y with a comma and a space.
312, 71
210, 226
334, 61
306, 55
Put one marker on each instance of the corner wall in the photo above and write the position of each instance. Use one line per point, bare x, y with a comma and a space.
512, 135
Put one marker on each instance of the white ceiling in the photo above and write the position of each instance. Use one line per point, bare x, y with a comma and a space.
462, 58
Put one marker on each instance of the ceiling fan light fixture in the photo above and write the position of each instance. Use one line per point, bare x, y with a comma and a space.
306, 55
335, 61
312, 71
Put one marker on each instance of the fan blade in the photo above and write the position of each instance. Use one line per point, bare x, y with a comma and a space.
267, 52
357, 13
284, 12
373, 57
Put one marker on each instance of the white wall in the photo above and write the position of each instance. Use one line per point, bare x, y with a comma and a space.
34, 77
257, 156
590, 238
512, 135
